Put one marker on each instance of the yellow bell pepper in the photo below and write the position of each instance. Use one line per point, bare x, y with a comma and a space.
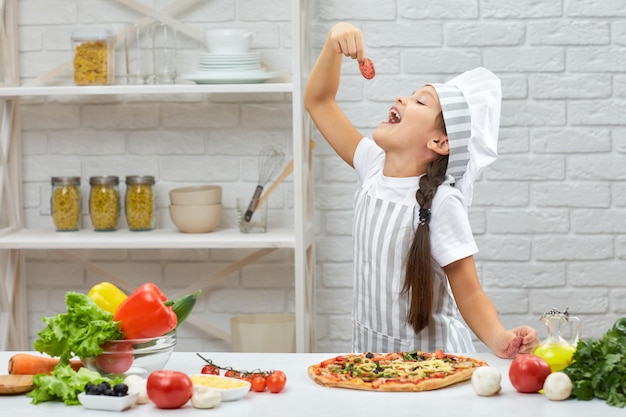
107, 296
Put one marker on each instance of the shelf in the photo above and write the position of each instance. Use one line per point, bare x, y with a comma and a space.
16, 239
74, 90
155, 239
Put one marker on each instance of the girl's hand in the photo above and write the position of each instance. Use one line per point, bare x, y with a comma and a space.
347, 39
521, 339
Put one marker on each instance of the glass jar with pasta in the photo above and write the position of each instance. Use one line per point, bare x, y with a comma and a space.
140, 202
65, 203
93, 50
104, 203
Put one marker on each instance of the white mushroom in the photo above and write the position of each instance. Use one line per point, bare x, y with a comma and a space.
138, 384
558, 386
205, 397
486, 381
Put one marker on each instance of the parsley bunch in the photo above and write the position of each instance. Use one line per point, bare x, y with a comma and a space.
598, 368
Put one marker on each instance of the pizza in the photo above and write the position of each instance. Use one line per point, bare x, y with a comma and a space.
398, 371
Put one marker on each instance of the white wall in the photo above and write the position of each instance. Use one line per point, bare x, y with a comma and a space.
548, 215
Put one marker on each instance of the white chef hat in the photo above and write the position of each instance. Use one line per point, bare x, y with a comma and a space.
470, 104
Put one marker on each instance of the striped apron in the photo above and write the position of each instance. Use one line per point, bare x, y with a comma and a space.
382, 233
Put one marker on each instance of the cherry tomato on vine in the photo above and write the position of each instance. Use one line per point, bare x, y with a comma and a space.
232, 374
276, 381
210, 370
258, 382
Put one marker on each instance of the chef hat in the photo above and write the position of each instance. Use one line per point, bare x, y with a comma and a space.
470, 104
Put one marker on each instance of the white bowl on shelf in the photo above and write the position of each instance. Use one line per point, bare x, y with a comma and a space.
228, 41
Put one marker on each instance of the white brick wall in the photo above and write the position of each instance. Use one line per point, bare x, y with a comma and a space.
548, 215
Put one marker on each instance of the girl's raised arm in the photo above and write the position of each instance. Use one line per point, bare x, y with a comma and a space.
322, 85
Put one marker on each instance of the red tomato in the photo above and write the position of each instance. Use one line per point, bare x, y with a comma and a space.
276, 381
169, 389
232, 374
258, 383
210, 369
528, 373
117, 362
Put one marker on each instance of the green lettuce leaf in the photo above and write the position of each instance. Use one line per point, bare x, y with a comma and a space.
78, 332
64, 384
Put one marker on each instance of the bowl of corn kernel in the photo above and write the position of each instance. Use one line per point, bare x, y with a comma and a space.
231, 388
93, 50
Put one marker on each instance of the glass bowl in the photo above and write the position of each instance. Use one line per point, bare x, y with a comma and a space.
133, 356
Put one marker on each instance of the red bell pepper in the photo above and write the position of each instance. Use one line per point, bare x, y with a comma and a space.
146, 313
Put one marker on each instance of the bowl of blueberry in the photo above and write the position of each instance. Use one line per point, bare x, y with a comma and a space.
103, 396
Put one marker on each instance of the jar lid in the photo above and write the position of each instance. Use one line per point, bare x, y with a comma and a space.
139, 179
91, 34
65, 180
104, 179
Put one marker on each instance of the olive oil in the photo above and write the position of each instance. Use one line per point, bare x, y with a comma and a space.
558, 355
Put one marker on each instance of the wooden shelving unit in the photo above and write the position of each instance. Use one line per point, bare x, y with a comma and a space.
15, 239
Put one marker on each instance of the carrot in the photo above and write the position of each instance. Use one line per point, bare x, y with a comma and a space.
27, 364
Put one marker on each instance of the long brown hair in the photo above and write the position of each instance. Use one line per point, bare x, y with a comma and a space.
418, 283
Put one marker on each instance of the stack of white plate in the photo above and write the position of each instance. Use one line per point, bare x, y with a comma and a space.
248, 61
235, 68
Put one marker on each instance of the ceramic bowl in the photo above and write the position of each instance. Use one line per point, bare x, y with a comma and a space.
196, 218
133, 356
228, 41
107, 402
231, 389
196, 195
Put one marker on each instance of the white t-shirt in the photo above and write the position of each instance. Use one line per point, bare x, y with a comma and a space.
451, 235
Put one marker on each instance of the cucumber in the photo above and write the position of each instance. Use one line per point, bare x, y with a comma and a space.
182, 306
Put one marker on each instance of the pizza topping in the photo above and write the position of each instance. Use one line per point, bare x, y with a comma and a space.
400, 371
411, 365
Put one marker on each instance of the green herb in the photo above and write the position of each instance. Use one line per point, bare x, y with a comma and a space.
64, 384
599, 367
78, 332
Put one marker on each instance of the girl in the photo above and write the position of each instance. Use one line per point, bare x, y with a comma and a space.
413, 245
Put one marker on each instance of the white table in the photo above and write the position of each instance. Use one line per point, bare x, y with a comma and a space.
302, 397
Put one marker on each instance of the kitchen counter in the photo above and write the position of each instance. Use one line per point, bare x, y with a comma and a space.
303, 397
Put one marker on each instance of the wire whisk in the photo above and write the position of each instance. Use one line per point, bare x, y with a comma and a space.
270, 161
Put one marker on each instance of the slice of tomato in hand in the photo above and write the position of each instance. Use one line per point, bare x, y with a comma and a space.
276, 381
119, 360
210, 370
169, 389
